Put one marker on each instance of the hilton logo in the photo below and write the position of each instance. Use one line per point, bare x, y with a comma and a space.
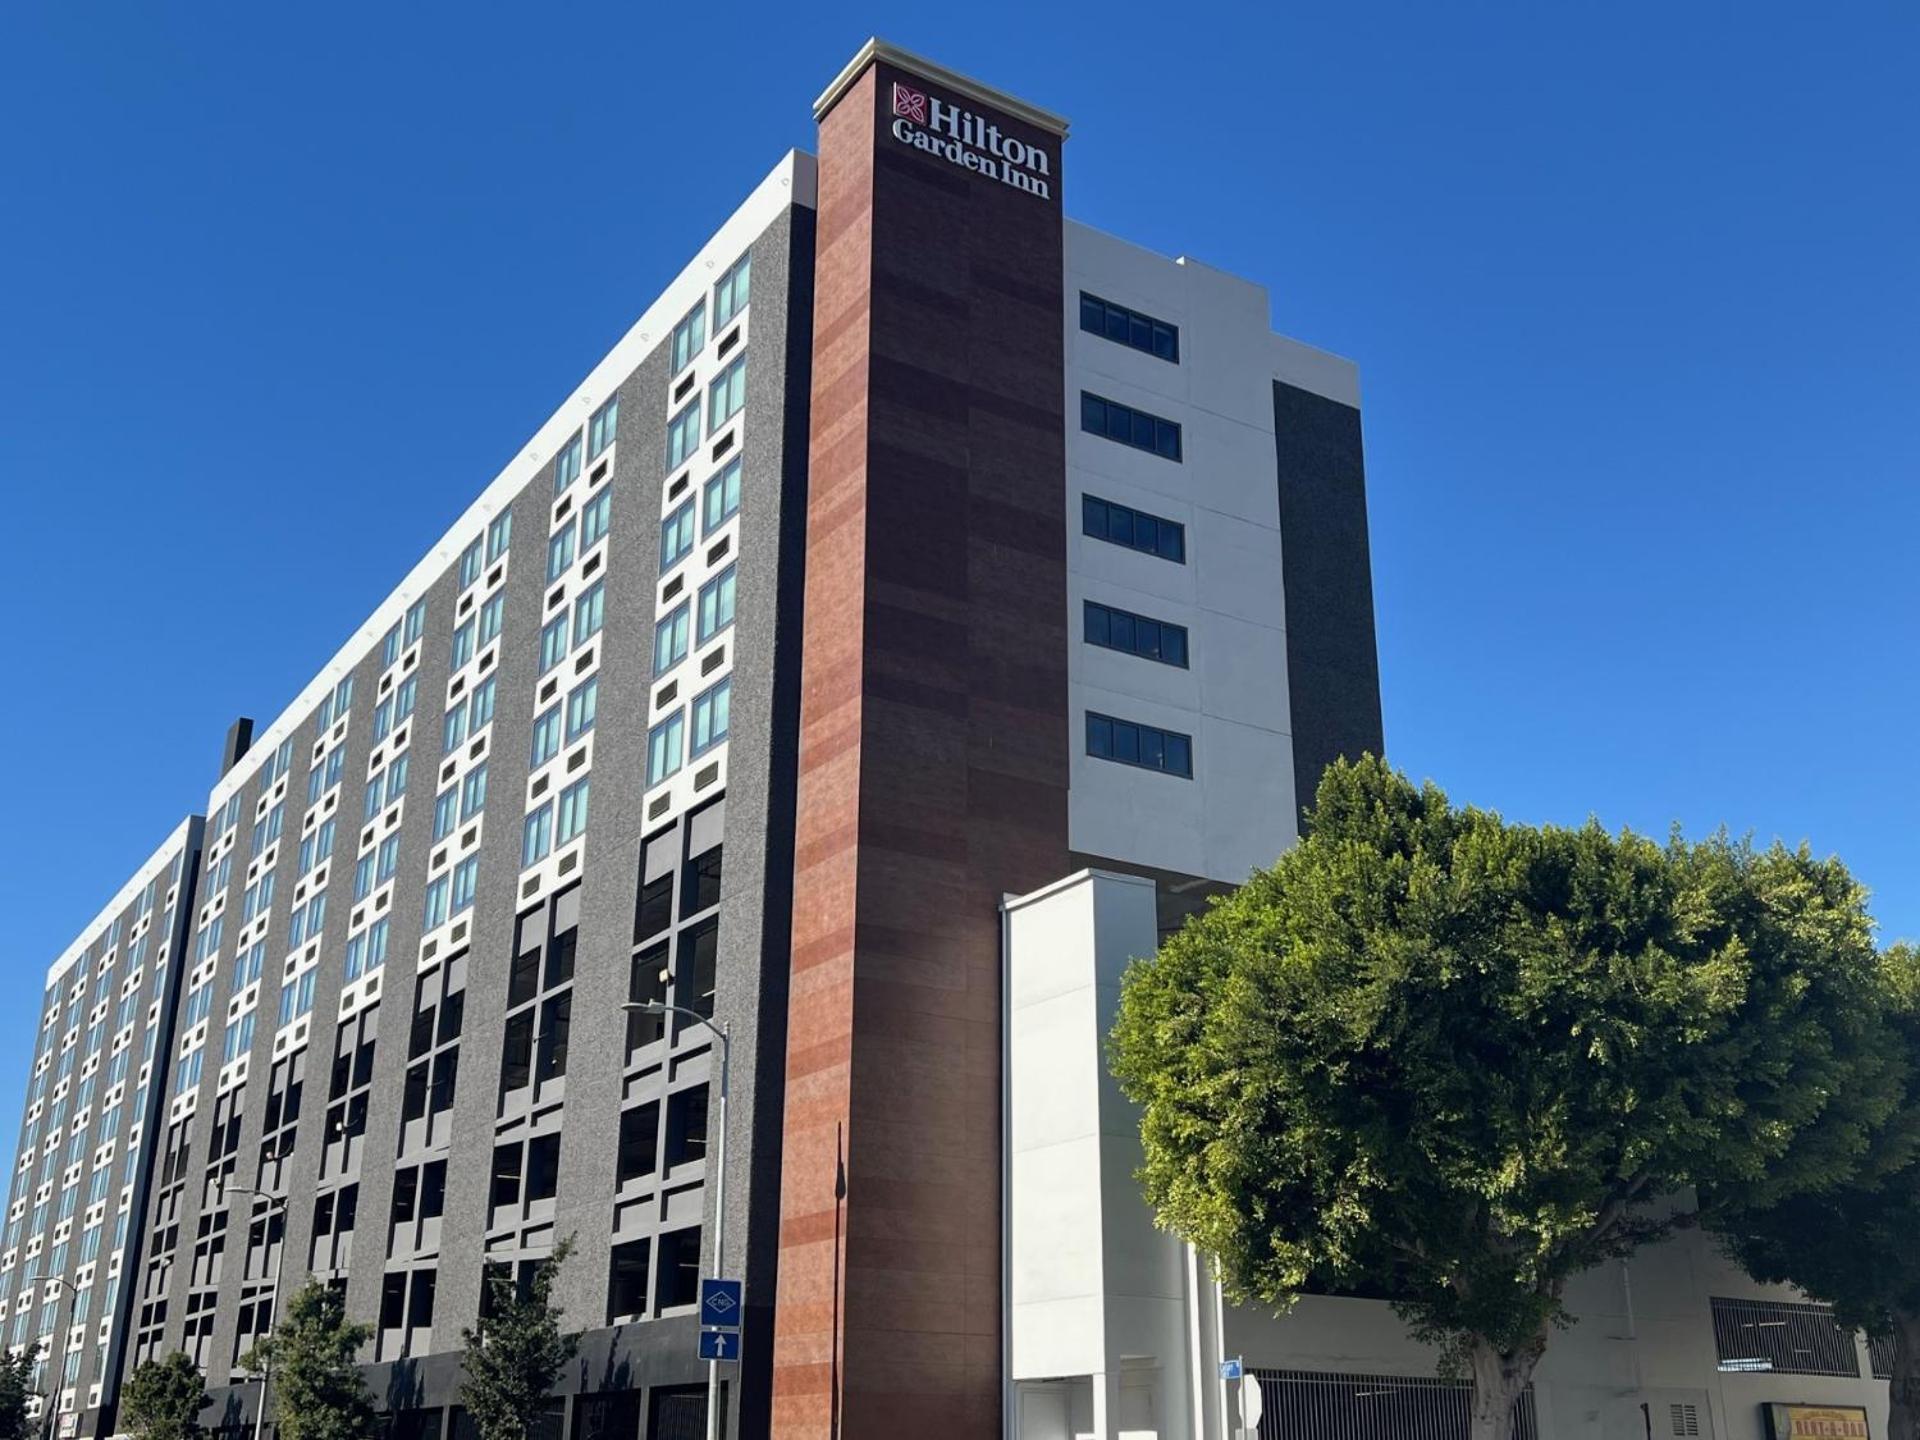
959, 137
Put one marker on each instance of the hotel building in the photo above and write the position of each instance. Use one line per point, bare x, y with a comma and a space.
928, 603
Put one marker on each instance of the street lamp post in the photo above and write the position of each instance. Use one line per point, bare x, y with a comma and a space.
273, 1203
720, 1033
53, 1390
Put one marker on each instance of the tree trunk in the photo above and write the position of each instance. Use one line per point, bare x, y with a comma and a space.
1903, 1393
1499, 1379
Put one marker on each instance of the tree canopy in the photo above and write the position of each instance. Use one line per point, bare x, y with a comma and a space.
516, 1352
1852, 1246
312, 1355
16, 1394
163, 1398
1459, 1060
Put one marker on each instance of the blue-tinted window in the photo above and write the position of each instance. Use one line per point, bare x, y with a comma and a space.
676, 537
711, 715
688, 337
594, 516
670, 641
716, 604
1138, 428
683, 434
666, 743
722, 496
1136, 529
1129, 743
559, 552
730, 295
601, 427
1129, 327
546, 736
566, 465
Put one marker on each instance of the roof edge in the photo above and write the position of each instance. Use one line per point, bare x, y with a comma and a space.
878, 49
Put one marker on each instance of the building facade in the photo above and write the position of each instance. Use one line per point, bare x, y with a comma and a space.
928, 603
96, 1090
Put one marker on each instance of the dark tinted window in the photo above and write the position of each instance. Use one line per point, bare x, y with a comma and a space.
1138, 428
1147, 746
1135, 529
1129, 327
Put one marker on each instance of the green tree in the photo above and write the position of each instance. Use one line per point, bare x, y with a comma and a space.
16, 1393
162, 1399
312, 1359
1853, 1246
1460, 1061
516, 1352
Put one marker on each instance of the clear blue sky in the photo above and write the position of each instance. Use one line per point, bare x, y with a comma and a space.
1634, 295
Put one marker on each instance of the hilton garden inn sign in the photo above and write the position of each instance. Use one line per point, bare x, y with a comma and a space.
970, 141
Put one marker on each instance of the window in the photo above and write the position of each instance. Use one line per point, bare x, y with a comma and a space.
566, 465
453, 730
1129, 327
593, 518
689, 336
730, 295
404, 697
676, 537
382, 723
537, 837
546, 736
664, 745
683, 434
389, 860
581, 705
716, 604
601, 427
437, 901
499, 535
367, 951
479, 707
553, 642
390, 648
572, 820
1135, 529
296, 997
465, 875
710, 716
559, 552
670, 641
462, 646
588, 611
1129, 426
491, 615
473, 792
727, 394
1144, 745
416, 620
722, 496
1140, 635
446, 812
470, 563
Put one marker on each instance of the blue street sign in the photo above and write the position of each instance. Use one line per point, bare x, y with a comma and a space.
719, 1345
720, 1305
1232, 1369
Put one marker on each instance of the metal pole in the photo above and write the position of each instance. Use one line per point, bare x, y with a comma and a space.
723, 1034
719, 1222
273, 1203
273, 1304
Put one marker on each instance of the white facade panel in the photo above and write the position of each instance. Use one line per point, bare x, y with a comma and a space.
1239, 810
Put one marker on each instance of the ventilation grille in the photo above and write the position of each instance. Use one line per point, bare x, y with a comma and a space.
1329, 1406
1686, 1419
